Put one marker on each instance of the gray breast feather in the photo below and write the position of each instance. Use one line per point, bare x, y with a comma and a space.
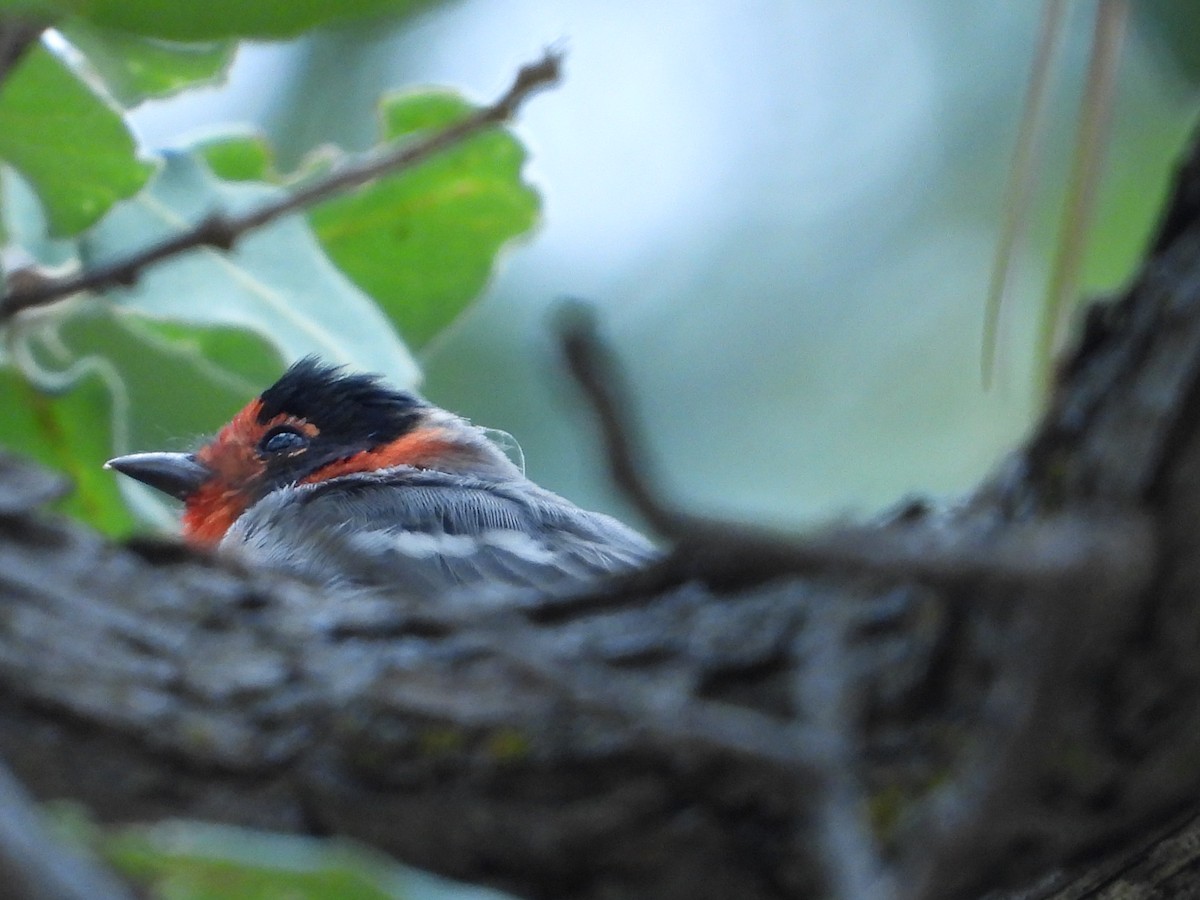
429, 533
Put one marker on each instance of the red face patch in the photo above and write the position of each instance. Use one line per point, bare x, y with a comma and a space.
238, 469
241, 469
420, 449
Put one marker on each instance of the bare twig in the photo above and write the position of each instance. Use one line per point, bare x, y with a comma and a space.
223, 231
730, 555
592, 367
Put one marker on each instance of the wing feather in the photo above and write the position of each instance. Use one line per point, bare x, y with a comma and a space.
430, 533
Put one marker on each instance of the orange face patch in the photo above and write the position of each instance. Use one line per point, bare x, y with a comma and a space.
242, 472
237, 468
420, 449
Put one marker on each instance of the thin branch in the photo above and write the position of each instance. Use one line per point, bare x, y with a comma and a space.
592, 367
222, 231
729, 555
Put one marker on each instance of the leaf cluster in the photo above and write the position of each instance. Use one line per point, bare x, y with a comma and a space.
365, 279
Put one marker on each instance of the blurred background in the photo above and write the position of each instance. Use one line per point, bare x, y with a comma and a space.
786, 214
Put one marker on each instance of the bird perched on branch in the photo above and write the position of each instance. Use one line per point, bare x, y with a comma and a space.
343, 480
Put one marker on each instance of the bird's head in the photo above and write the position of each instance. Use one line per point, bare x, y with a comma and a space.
316, 423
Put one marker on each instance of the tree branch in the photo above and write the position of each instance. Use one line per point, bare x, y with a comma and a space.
222, 231
726, 554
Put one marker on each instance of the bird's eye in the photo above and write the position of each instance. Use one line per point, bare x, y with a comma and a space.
282, 440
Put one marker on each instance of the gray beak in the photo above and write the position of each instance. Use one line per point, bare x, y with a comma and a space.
177, 474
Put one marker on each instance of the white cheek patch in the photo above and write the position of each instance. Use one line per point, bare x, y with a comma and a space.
421, 545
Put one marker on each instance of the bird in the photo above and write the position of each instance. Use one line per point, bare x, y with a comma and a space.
343, 480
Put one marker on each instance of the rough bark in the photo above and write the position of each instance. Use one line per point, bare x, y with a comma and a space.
971, 698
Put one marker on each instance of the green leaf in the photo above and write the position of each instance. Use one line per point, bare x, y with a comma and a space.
238, 157
246, 357
423, 243
68, 142
276, 283
193, 861
169, 386
136, 68
216, 879
214, 19
25, 225
70, 432
179, 383
185, 859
